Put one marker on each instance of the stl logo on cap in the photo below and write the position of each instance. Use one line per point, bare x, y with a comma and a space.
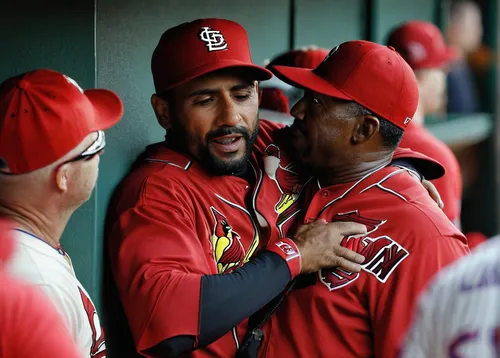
73, 82
214, 39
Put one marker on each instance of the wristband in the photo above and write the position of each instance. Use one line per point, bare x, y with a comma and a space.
289, 252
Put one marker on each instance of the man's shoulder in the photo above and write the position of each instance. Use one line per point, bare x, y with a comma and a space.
163, 167
159, 159
401, 198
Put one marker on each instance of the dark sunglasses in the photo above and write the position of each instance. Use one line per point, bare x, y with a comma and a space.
93, 150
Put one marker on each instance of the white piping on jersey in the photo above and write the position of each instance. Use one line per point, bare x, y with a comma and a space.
348, 190
234, 205
169, 163
380, 186
410, 171
260, 218
235, 337
280, 226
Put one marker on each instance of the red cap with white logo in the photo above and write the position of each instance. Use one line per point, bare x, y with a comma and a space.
370, 74
422, 45
45, 114
196, 48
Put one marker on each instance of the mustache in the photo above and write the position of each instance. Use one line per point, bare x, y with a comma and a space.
222, 131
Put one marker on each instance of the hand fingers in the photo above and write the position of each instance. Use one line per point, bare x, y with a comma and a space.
349, 255
348, 265
349, 228
433, 192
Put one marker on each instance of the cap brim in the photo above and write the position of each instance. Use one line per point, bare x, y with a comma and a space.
428, 167
108, 108
254, 72
307, 79
447, 57
442, 61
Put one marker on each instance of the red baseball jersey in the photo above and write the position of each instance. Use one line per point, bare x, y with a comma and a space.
172, 222
335, 313
419, 139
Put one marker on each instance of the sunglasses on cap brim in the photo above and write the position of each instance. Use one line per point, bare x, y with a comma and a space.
93, 150
89, 153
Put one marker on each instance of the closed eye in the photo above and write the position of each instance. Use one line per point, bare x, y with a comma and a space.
242, 97
204, 102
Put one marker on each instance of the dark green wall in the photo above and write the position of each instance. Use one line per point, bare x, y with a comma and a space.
389, 13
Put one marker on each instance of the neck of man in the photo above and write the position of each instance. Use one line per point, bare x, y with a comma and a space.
354, 171
48, 225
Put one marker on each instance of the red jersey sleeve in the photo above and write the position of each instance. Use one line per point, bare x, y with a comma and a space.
158, 261
392, 304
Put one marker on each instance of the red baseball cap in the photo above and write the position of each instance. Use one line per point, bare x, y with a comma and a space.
422, 45
309, 57
45, 114
370, 74
196, 48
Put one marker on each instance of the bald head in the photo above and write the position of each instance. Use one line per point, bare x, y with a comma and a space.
65, 183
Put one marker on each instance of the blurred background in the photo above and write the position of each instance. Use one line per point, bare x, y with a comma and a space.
108, 43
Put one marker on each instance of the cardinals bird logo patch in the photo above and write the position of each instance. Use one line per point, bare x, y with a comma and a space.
382, 254
288, 182
228, 250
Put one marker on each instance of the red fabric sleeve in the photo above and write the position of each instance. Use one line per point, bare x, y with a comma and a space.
30, 325
158, 265
392, 304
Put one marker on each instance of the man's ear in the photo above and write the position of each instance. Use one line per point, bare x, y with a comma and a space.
161, 108
62, 178
365, 128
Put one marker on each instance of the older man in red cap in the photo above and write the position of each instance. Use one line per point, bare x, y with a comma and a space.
51, 136
421, 44
357, 104
186, 224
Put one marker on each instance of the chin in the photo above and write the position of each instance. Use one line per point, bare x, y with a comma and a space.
227, 165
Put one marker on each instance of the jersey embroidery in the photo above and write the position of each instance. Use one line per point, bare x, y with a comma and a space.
229, 252
98, 348
382, 254
289, 183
